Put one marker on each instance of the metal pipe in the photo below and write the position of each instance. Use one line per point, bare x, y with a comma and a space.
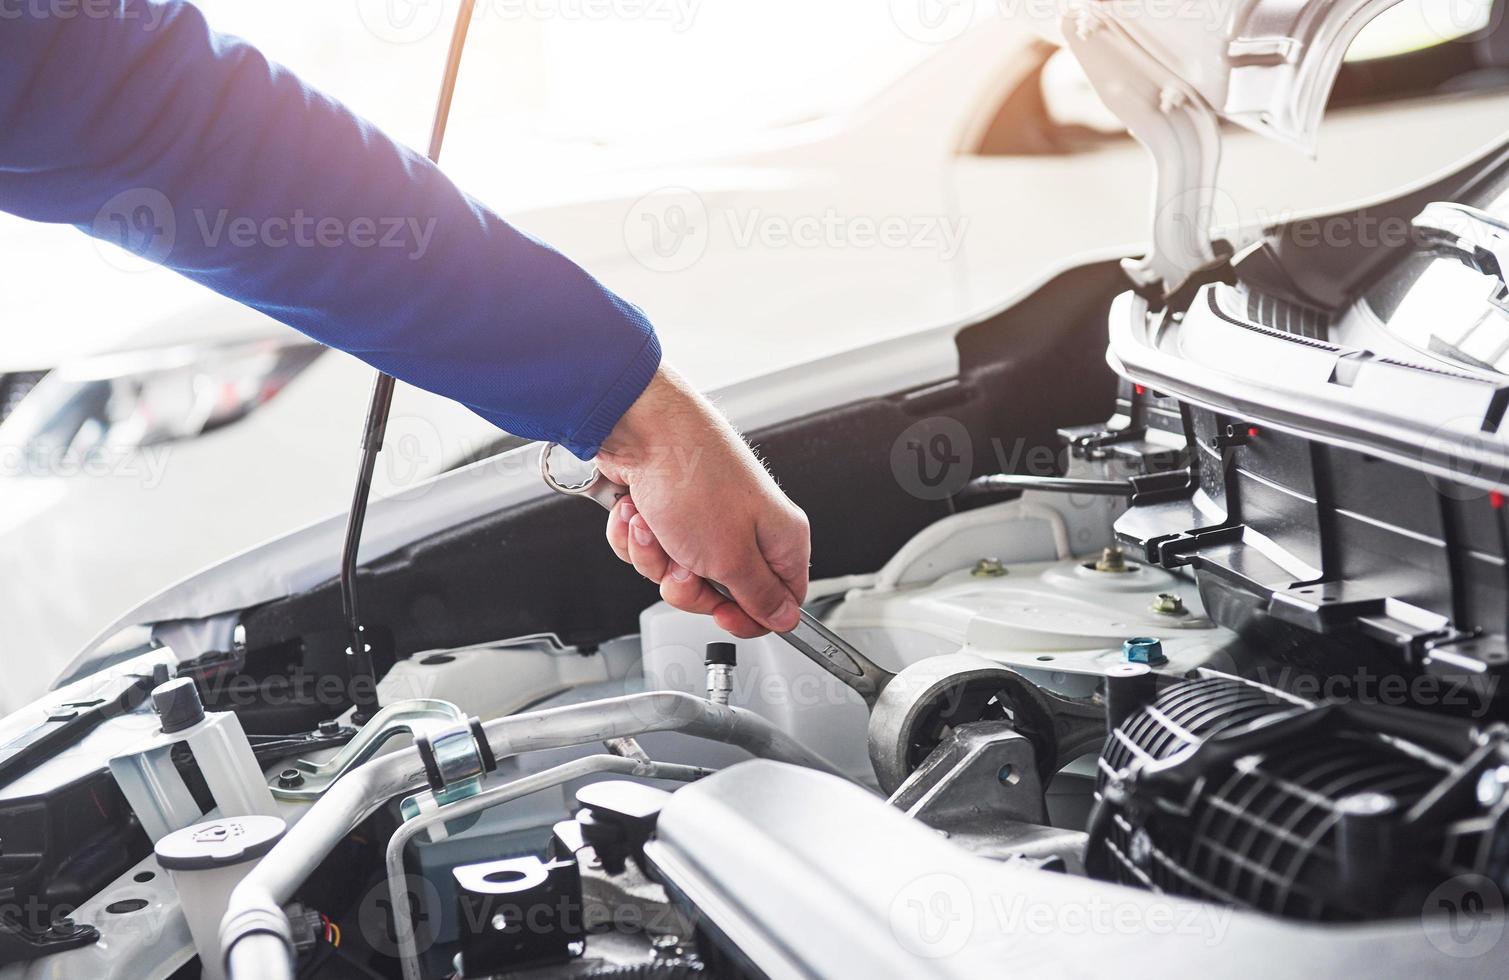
254, 917
652, 711
403, 922
1013, 482
255, 907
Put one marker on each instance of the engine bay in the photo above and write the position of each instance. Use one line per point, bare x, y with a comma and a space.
1188, 665
1200, 670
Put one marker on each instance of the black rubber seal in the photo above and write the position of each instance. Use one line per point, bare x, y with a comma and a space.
431, 768
484, 751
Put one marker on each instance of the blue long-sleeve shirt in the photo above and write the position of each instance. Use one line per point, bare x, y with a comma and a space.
137, 123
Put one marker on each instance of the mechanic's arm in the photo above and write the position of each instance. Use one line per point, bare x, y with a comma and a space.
137, 123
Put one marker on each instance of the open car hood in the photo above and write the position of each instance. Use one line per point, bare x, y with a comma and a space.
1173, 71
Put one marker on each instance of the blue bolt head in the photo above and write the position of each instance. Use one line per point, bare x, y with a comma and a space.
1144, 650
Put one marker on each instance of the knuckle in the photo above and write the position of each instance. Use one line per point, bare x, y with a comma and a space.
767, 601
733, 567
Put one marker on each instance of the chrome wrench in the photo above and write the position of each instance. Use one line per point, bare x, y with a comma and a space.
814, 640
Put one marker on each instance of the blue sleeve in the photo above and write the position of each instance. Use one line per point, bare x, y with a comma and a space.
135, 122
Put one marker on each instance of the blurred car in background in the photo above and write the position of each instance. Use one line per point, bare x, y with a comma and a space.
149, 428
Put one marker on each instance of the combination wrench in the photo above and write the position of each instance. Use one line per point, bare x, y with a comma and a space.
814, 640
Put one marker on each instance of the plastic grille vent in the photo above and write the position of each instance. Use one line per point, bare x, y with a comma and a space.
1279, 314
1267, 830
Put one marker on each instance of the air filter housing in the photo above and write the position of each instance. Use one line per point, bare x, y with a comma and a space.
1232, 792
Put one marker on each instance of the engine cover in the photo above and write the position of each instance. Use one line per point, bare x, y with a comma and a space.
1227, 790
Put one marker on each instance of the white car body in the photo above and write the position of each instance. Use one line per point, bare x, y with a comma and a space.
829, 237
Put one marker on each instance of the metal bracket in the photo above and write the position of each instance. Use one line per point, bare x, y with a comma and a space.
416, 717
981, 774
935, 696
981, 787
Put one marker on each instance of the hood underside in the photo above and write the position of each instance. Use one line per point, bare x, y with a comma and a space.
1173, 72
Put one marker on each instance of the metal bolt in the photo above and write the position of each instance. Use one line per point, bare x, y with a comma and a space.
1493, 785
1365, 804
667, 945
989, 568
290, 779
1141, 848
62, 927
1169, 604
330, 728
1112, 560
1144, 650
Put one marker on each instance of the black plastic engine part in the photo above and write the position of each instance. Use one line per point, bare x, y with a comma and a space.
68, 722
518, 913
19, 944
617, 818
177, 705
672, 969
1404, 563
1228, 791
57, 849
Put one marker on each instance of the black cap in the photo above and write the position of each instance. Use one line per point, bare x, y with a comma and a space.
721, 653
219, 843
177, 704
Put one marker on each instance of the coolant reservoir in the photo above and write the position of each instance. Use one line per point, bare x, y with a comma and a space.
771, 679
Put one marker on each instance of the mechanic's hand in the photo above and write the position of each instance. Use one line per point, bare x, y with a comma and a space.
701, 506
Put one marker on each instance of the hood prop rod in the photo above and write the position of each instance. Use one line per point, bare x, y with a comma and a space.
360, 673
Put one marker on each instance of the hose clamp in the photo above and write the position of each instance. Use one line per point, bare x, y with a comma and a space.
455, 760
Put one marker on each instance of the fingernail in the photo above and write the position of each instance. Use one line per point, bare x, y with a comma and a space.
642, 533
788, 613
625, 511
678, 573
